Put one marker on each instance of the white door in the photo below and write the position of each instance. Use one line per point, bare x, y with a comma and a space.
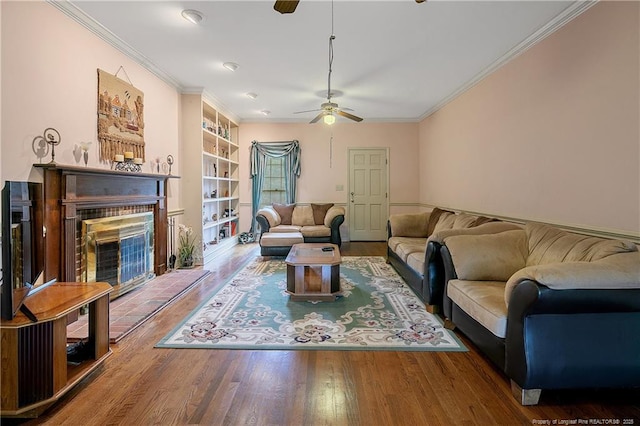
368, 198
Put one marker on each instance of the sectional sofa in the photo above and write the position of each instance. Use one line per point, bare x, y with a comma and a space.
553, 309
413, 247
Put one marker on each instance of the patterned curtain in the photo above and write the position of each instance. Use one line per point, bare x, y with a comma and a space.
259, 152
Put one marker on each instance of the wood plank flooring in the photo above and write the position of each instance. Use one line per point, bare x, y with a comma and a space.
140, 384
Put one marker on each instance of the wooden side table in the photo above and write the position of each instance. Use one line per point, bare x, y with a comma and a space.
313, 272
35, 371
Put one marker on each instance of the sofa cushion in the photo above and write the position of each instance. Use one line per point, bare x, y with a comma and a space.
485, 228
283, 239
272, 216
332, 213
483, 301
319, 212
315, 231
434, 218
481, 220
393, 242
302, 216
409, 225
455, 221
285, 211
416, 262
284, 229
417, 245
548, 244
493, 257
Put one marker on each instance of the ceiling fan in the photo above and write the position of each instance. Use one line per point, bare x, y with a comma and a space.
328, 110
289, 6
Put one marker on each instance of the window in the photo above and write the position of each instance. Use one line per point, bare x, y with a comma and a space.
273, 187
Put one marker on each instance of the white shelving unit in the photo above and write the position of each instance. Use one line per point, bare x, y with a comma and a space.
210, 175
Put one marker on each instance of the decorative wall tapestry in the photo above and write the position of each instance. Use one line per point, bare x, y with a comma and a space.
120, 117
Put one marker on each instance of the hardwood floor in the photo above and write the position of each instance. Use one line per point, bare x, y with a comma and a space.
140, 384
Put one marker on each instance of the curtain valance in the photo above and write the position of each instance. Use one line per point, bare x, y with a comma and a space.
275, 149
259, 152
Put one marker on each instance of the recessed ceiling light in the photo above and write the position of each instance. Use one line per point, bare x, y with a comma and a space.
265, 112
192, 16
231, 66
252, 95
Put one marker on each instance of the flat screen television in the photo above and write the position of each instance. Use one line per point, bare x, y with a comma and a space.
22, 246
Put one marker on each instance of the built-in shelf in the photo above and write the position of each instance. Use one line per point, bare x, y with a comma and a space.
212, 192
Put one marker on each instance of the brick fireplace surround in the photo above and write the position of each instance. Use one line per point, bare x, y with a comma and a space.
72, 194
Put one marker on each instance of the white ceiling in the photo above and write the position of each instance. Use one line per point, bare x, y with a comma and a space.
393, 60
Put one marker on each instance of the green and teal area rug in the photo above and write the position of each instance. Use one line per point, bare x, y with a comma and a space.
377, 311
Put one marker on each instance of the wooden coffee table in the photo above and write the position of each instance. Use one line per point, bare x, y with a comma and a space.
313, 273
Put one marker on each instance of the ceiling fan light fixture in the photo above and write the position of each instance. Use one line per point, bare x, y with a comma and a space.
329, 119
231, 66
193, 16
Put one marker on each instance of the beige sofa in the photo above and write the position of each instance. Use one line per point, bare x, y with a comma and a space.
553, 309
413, 247
312, 223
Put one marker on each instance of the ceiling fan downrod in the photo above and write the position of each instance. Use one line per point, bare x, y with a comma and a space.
331, 38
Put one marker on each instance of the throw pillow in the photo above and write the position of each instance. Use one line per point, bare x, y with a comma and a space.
433, 219
285, 211
319, 212
483, 219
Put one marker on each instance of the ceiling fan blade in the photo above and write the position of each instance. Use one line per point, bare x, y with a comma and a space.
420, 1
345, 109
310, 110
349, 116
285, 6
318, 117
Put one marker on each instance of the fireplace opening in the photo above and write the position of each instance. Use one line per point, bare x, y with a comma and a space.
118, 250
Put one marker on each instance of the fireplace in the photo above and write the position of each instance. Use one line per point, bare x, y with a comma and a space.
118, 250
79, 197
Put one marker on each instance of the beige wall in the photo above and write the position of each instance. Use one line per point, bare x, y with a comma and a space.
551, 136
320, 174
49, 79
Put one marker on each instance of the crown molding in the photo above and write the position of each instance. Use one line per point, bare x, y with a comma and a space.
572, 11
98, 29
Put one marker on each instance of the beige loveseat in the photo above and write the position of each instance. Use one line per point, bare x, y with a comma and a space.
553, 309
313, 223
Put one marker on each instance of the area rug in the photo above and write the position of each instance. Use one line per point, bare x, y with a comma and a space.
377, 311
130, 311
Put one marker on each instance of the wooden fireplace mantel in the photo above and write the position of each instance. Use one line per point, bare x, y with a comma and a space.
68, 189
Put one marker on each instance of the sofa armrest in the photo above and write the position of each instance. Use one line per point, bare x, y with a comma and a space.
449, 274
433, 274
332, 213
571, 322
619, 271
333, 219
267, 217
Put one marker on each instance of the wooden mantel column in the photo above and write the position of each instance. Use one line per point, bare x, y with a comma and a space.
68, 189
